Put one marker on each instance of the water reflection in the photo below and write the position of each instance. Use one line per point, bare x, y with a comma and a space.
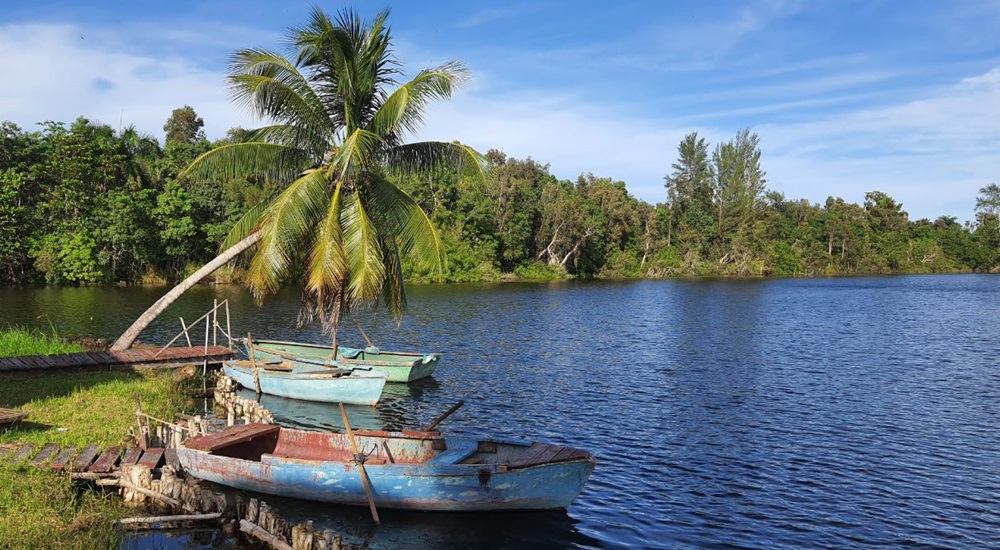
394, 411
406, 529
793, 413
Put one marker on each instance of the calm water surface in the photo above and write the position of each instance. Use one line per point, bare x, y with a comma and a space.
832, 413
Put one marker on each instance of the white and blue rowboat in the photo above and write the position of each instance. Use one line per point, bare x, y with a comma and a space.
408, 470
309, 382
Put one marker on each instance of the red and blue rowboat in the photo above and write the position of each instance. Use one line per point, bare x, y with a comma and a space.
408, 470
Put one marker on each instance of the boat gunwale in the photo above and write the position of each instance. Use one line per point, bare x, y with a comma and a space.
436, 355
354, 374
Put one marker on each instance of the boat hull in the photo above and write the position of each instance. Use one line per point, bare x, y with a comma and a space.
400, 366
434, 485
327, 387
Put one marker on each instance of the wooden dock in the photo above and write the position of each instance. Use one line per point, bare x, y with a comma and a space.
90, 459
141, 357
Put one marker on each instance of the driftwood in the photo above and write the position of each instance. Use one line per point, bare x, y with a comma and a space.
143, 491
166, 519
255, 530
93, 476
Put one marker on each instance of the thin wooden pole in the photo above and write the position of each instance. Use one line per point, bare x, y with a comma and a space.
138, 421
229, 331
253, 363
443, 415
361, 465
185, 331
358, 323
215, 321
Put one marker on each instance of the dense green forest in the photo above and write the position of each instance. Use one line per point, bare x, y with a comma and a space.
87, 204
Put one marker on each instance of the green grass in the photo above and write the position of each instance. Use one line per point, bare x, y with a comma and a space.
21, 341
41, 509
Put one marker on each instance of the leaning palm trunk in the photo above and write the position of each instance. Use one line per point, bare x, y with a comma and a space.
129, 336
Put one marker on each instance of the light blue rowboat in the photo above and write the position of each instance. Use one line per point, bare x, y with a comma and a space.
408, 470
310, 382
400, 366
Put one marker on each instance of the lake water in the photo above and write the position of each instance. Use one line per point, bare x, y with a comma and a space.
821, 413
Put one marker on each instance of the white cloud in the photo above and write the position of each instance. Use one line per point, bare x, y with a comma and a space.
53, 74
932, 154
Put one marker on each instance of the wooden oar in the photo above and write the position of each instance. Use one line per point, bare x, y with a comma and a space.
361, 464
253, 363
370, 344
443, 415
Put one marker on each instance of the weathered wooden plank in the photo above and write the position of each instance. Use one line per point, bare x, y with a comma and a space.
538, 453
10, 416
76, 359
550, 453
101, 357
23, 453
86, 456
121, 356
151, 458
246, 432
85, 359
61, 459
106, 462
45, 454
43, 361
61, 359
170, 457
569, 453
132, 454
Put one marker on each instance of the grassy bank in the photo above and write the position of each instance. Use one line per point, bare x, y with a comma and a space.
21, 341
41, 509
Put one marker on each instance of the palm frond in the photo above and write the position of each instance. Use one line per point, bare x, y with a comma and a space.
404, 108
272, 88
247, 224
406, 223
415, 158
284, 227
354, 155
393, 296
327, 262
366, 272
234, 160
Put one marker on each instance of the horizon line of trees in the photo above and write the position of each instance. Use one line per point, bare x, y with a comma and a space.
86, 204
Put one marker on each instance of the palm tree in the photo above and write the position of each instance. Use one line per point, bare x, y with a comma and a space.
339, 119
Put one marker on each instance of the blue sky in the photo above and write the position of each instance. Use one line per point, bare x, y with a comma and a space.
847, 97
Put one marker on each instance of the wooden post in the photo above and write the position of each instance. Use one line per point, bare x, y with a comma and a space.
215, 321
229, 331
253, 363
185, 331
140, 435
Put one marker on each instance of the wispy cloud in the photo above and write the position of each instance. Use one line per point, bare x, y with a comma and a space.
590, 93
53, 74
492, 15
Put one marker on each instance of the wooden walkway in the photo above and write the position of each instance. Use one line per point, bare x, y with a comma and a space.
132, 357
91, 459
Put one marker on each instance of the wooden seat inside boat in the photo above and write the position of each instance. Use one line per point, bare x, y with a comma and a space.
248, 442
278, 366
